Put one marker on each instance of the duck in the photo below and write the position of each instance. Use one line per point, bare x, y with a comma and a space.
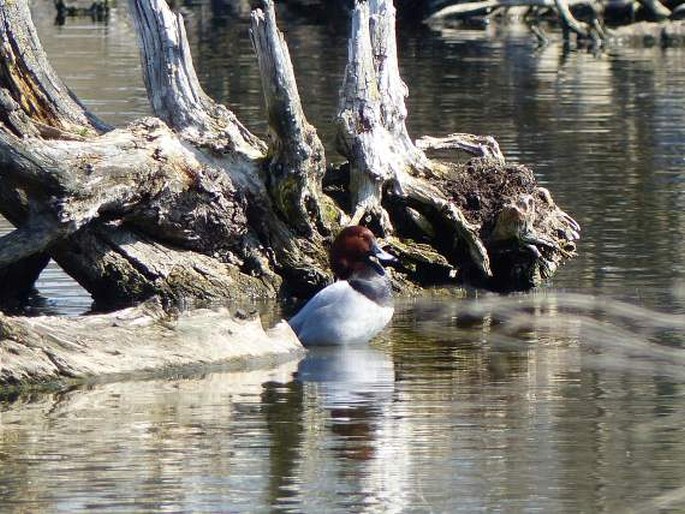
359, 304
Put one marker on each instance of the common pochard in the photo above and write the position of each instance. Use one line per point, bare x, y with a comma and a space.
359, 304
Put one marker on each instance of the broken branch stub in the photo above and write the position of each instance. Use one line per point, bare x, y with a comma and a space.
485, 147
296, 157
174, 90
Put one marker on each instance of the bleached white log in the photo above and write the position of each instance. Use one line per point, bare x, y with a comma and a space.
143, 338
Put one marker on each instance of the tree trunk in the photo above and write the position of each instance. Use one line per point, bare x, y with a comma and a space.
190, 206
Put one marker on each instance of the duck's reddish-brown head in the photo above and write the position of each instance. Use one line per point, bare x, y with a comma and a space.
355, 249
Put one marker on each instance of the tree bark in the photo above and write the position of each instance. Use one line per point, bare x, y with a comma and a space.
33, 102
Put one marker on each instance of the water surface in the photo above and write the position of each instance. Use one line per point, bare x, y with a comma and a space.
558, 400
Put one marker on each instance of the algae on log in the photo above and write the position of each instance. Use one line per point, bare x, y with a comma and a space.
192, 206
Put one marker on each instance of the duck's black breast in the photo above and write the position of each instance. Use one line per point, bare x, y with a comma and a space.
375, 287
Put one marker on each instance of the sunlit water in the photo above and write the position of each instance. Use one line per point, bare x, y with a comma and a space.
564, 399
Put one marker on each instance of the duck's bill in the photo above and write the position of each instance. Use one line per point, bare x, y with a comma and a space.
382, 255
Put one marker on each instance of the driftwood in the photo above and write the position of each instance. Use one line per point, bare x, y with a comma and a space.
593, 22
135, 340
190, 206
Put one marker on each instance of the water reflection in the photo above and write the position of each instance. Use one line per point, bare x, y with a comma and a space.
546, 403
350, 445
190, 444
532, 410
348, 376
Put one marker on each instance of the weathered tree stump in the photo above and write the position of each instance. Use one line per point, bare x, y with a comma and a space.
394, 186
190, 206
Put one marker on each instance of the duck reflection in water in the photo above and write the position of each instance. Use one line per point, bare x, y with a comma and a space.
354, 440
355, 384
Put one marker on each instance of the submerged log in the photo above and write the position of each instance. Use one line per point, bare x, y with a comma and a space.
134, 340
191, 206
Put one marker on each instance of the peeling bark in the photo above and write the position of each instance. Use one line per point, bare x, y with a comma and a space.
137, 188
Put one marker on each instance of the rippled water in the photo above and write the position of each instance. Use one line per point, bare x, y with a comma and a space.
564, 399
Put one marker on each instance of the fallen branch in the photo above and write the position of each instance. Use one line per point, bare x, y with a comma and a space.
485, 147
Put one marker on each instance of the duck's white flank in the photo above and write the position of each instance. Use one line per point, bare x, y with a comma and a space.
340, 314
